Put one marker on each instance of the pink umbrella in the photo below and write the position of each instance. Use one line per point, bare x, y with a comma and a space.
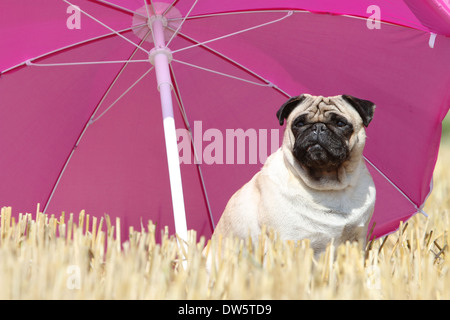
82, 84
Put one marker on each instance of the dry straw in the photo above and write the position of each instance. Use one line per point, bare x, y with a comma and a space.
83, 257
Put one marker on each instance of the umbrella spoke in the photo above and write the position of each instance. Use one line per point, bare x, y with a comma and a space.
222, 74
121, 96
289, 13
181, 24
169, 7
109, 28
29, 63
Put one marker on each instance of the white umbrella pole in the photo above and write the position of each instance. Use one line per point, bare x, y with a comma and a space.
160, 57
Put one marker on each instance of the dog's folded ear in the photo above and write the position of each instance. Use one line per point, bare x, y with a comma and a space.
365, 108
286, 109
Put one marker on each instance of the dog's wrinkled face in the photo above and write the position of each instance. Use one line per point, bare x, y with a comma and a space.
326, 132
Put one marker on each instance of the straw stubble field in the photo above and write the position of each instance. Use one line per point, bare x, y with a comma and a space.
81, 257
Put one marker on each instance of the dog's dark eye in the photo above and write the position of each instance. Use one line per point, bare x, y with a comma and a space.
299, 122
341, 124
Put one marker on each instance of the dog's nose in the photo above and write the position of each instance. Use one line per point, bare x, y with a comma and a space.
318, 128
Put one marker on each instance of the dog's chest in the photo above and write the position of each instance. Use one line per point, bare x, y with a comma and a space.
321, 217
327, 211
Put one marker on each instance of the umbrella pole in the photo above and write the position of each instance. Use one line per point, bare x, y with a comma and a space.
160, 56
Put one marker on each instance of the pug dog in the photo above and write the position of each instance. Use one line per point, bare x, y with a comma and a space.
316, 185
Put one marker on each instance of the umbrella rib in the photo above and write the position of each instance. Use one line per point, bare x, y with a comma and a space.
222, 74
270, 84
289, 13
29, 63
419, 209
181, 24
169, 7
121, 96
188, 126
111, 29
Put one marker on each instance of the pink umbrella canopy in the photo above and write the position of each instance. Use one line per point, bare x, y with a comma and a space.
80, 102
